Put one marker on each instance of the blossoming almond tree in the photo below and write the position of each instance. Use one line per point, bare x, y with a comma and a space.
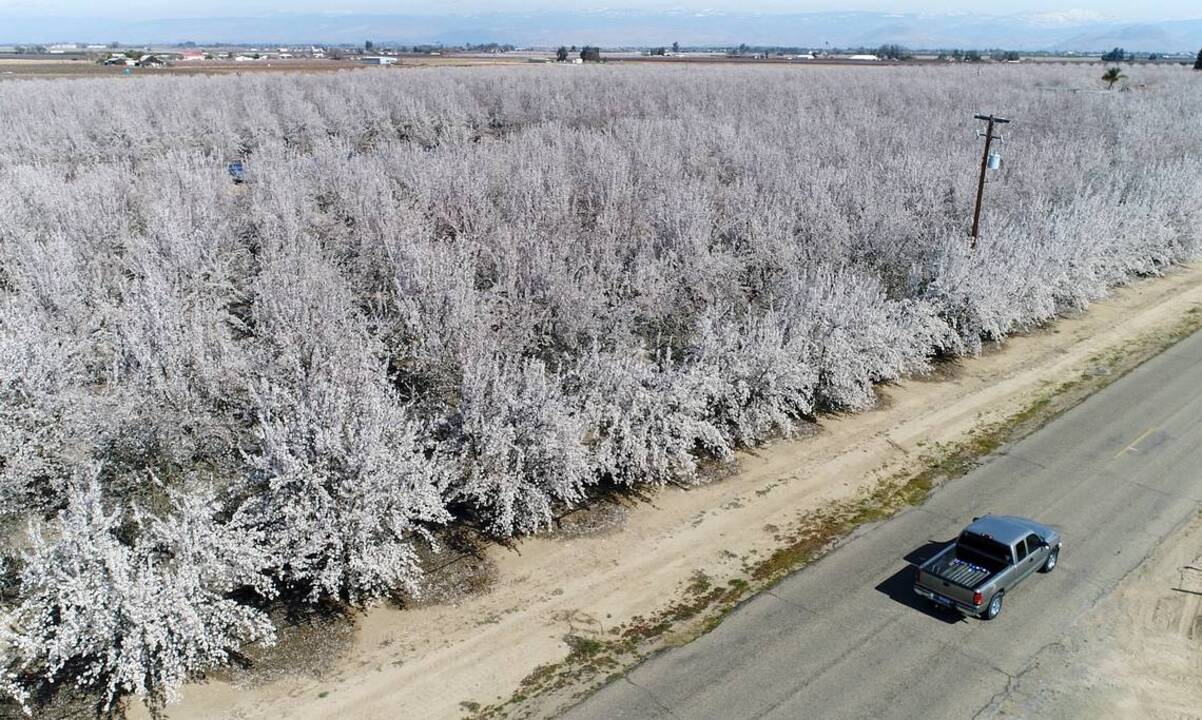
139, 618
478, 297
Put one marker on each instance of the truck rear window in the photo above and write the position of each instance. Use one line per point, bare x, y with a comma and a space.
983, 546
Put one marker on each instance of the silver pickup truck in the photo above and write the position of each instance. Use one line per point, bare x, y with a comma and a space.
992, 555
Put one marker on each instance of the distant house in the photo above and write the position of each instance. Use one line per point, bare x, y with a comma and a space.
191, 56
377, 60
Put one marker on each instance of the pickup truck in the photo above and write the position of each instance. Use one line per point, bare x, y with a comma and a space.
992, 556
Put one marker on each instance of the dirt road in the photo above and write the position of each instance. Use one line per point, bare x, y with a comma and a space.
846, 638
442, 661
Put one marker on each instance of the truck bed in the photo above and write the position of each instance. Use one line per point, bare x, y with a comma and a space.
962, 572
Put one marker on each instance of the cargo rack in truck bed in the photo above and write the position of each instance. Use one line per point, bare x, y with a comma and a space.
964, 573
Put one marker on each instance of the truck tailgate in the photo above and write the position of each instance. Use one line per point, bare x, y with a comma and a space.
951, 578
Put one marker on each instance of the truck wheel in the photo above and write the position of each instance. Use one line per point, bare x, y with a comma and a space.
1050, 563
994, 608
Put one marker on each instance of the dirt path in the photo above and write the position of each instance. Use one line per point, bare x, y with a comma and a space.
441, 661
1138, 655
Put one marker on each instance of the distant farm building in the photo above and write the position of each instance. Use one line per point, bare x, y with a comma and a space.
863, 57
377, 60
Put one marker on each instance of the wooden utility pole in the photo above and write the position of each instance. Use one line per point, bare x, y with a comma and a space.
989, 138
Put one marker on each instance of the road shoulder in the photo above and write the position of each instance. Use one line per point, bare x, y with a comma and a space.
1137, 654
569, 613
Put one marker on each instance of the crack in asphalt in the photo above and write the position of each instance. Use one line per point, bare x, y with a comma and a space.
895, 621
789, 601
997, 698
1009, 685
1166, 493
994, 703
658, 703
1103, 592
1022, 458
936, 513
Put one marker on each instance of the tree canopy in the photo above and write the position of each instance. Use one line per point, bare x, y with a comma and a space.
476, 298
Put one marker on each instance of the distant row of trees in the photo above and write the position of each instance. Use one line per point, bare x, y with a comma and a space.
893, 52
492, 47
1120, 55
662, 51
588, 53
899, 52
889, 51
962, 55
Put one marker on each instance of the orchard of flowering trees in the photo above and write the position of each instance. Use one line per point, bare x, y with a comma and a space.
475, 296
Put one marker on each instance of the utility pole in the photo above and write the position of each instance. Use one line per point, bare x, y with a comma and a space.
991, 120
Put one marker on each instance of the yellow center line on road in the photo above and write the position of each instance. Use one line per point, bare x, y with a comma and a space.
1131, 445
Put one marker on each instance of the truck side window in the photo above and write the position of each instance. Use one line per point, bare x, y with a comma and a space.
1020, 550
1033, 543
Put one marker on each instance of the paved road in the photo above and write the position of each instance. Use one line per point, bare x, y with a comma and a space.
846, 638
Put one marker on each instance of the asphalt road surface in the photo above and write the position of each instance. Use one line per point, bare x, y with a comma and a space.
847, 638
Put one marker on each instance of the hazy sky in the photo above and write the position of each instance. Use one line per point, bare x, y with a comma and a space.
1123, 10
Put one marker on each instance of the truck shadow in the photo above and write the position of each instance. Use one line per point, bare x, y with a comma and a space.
900, 585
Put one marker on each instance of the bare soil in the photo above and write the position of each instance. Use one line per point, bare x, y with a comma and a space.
562, 594
1137, 655
20, 69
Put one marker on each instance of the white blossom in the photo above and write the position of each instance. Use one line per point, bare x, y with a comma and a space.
478, 297
132, 619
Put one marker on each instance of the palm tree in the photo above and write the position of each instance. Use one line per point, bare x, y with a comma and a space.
1112, 76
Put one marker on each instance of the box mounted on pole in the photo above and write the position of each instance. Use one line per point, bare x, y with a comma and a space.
988, 162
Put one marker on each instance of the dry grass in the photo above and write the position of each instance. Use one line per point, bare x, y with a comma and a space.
701, 605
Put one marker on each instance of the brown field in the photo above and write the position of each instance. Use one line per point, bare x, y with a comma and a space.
43, 68
47, 67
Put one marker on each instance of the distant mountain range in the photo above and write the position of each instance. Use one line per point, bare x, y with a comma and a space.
1067, 31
